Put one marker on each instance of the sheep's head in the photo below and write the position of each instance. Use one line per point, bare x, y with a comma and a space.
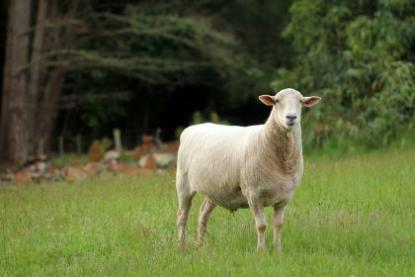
287, 105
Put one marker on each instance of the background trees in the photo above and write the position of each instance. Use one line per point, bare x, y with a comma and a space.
32, 83
13, 136
360, 57
85, 67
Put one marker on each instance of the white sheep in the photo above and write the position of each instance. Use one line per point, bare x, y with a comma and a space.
240, 167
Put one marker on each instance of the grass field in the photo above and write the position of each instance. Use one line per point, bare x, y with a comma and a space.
351, 216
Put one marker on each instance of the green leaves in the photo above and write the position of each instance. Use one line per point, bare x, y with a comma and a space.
155, 48
146, 49
98, 108
359, 54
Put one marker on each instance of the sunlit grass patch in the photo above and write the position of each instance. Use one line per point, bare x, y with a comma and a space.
350, 216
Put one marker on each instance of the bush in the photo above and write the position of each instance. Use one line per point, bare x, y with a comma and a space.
357, 57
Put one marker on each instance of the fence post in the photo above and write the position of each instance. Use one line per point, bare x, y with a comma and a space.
117, 140
61, 145
79, 144
41, 149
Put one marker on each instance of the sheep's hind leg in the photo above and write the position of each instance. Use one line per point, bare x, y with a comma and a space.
205, 211
185, 202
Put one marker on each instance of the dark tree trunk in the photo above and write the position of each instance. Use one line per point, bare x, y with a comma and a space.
13, 127
31, 91
48, 110
36, 72
4, 115
51, 86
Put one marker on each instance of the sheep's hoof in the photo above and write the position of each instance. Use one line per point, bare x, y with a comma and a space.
261, 249
277, 247
198, 243
181, 244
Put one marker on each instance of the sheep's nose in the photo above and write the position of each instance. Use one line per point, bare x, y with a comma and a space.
291, 117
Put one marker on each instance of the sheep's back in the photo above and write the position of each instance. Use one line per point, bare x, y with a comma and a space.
210, 155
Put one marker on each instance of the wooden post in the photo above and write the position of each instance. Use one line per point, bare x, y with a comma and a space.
41, 148
61, 145
117, 140
79, 144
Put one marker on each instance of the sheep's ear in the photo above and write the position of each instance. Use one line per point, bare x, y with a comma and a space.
267, 99
310, 101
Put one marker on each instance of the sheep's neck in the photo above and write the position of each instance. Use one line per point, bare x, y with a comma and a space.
282, 146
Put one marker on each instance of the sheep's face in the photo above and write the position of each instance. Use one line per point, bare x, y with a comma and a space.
287, 105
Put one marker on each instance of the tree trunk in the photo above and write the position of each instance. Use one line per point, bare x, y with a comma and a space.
51, 87
48, 109
4, 115
29, 107
36, 72
13, 129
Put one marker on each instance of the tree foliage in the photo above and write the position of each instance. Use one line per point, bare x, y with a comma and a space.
359, 56
152, 48
210, 55
144, 51
158, 62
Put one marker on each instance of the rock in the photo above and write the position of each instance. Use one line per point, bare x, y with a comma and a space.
122, 168
157, 160
164, 160
130, 170
6, 179
143, 171
94, 167
143, 160
75, 173
95, 153
97, 149
148, 140
111, 157
54, 172
173, 166
148, 161
172, 148
151, 163
41, 167
22, 177
39, 171
141, 151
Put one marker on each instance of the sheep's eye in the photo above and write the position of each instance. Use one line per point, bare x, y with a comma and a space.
276, 101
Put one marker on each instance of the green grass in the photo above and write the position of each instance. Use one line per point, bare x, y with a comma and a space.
352, 216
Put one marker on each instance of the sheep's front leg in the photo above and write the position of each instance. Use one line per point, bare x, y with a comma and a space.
277, 221
260, 221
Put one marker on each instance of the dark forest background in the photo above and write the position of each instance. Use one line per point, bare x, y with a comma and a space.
86, 67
